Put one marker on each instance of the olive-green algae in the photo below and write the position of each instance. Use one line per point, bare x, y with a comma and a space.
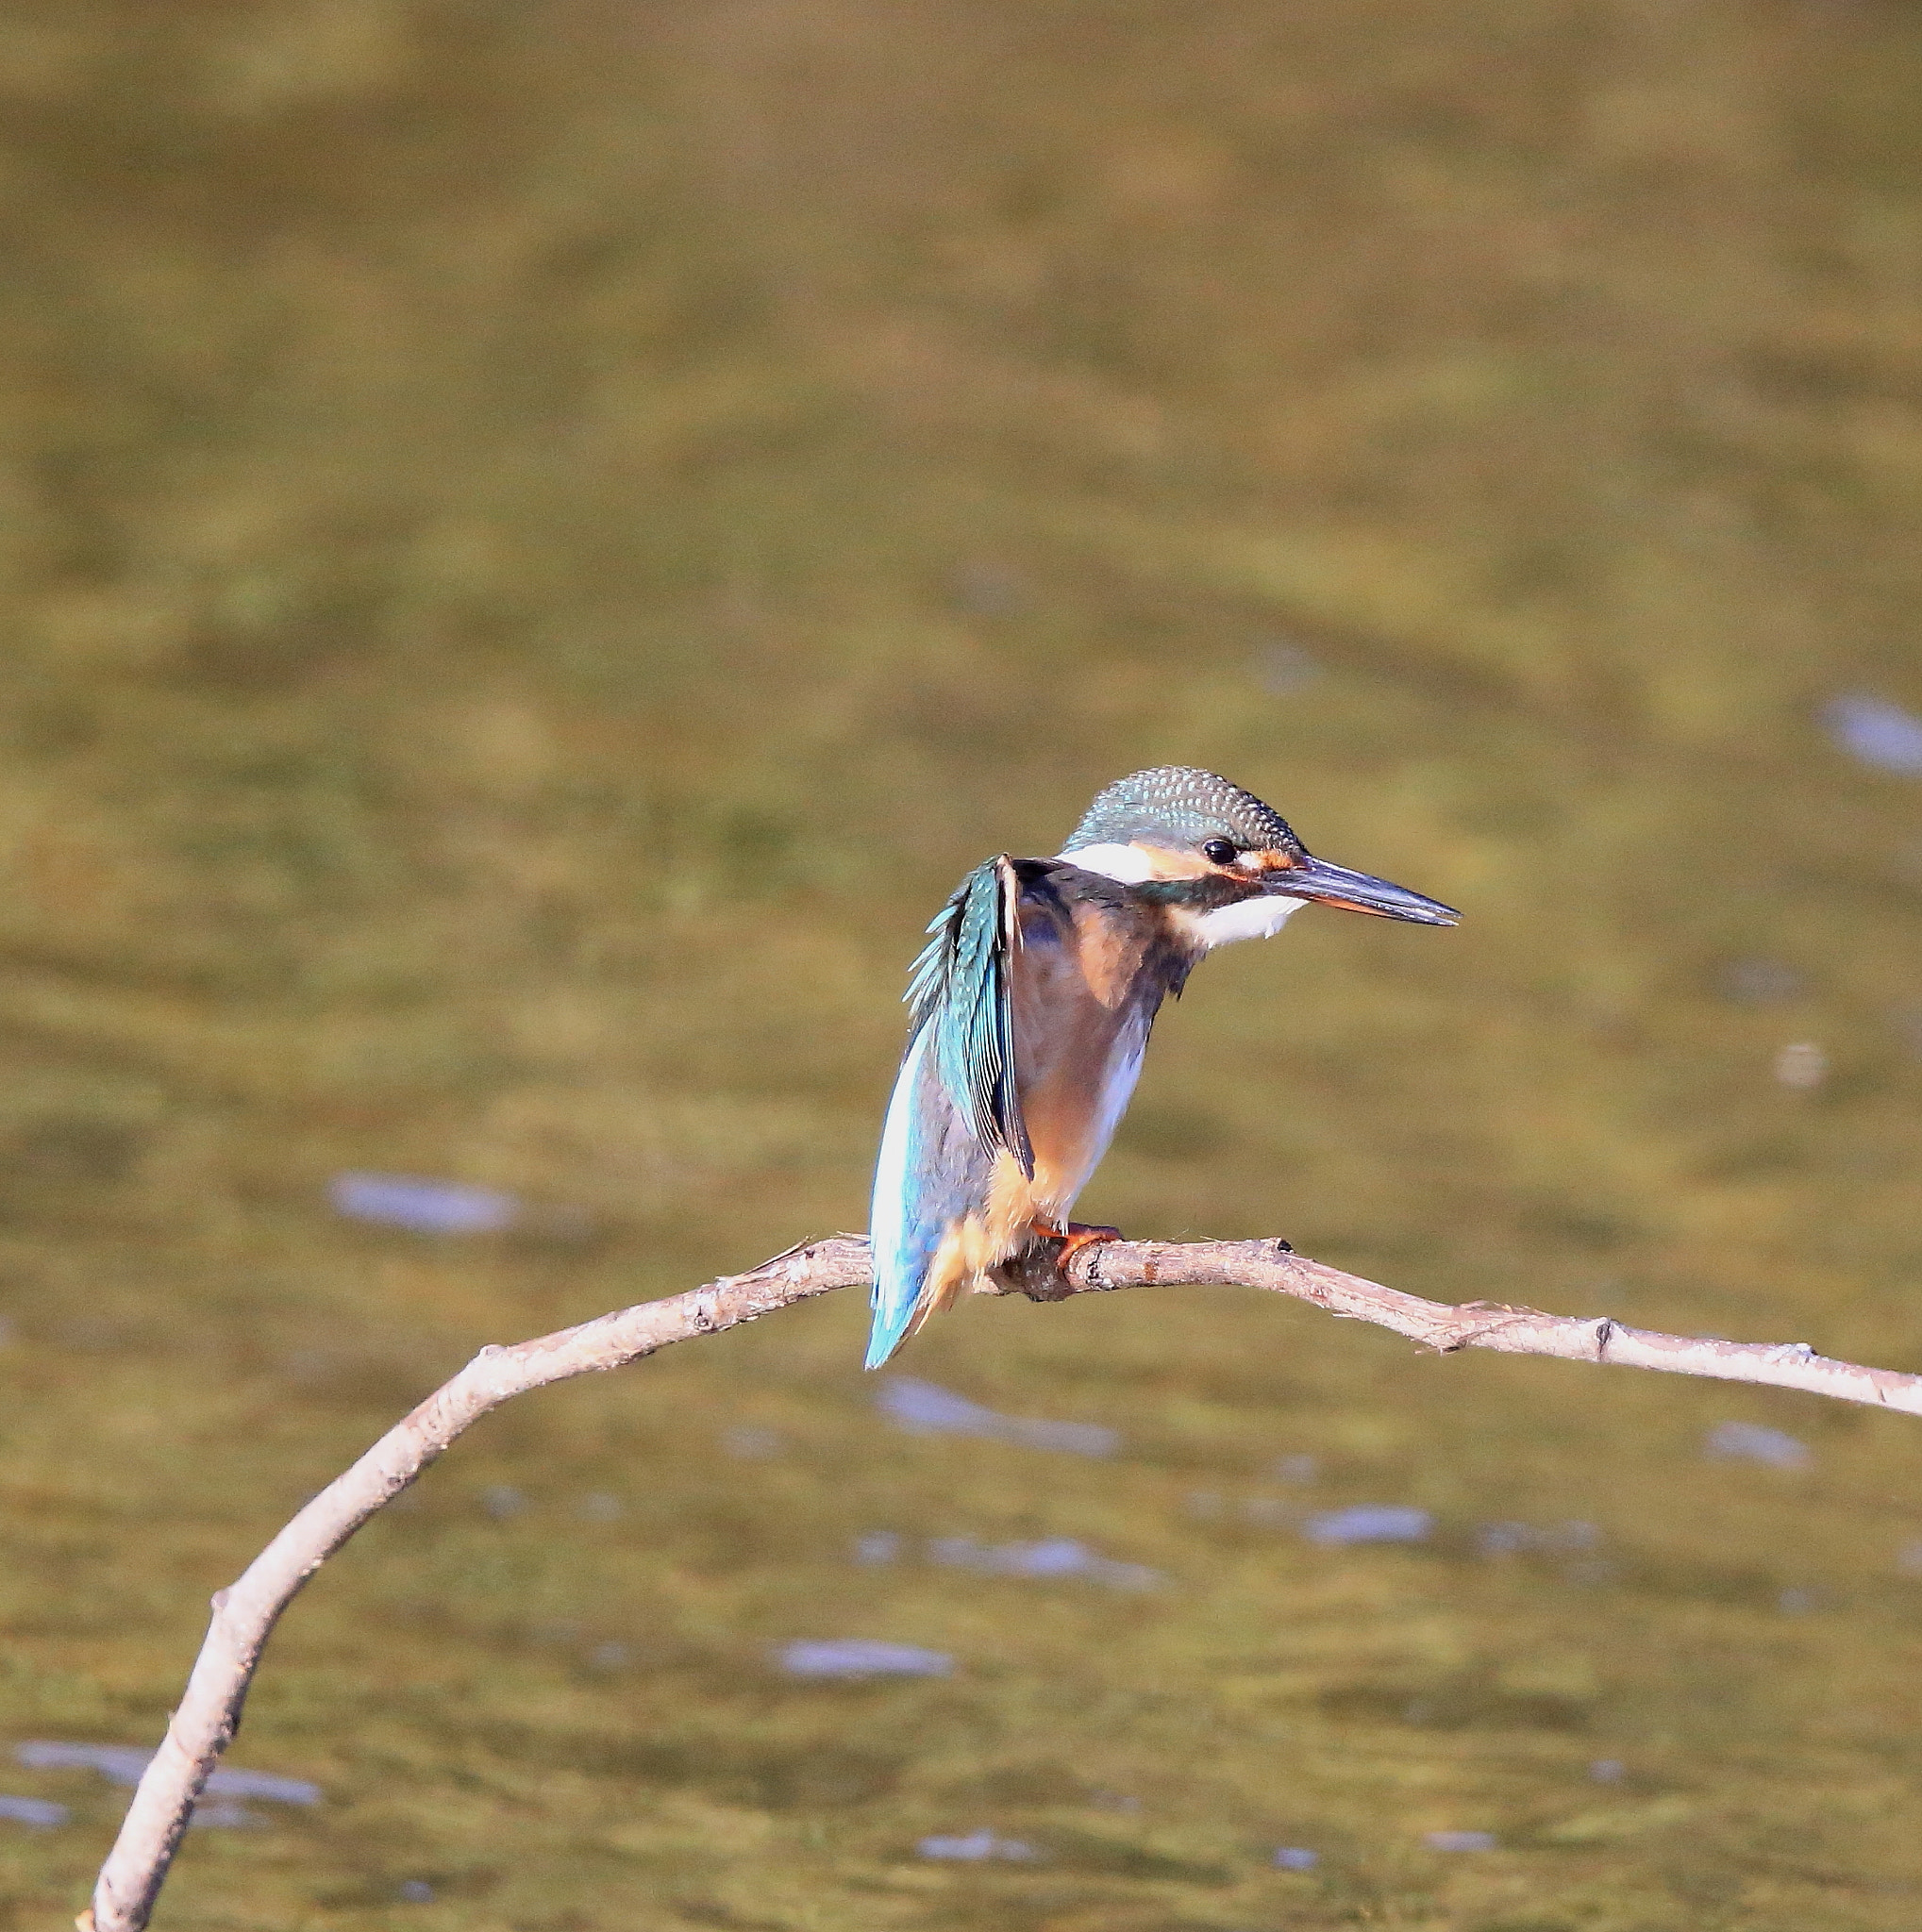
536, 545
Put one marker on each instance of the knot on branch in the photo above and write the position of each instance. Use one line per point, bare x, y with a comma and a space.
1036, 1273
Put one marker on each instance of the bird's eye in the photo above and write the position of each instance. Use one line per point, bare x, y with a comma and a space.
1218, 851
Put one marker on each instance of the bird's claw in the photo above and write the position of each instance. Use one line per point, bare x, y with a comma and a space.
1039, 1272
1076, 1236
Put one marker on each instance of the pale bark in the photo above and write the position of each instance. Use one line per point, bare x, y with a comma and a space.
244, 1614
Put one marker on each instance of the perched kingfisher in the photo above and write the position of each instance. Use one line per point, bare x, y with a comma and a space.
1029, 1012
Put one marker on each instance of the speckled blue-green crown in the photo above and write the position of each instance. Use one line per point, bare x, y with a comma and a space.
1178, 805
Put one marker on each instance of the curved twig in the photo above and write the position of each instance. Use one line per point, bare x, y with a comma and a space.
245, 1613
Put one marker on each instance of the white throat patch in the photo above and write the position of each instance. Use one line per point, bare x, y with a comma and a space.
1247, 919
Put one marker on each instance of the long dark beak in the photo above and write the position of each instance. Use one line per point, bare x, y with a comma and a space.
1334, 885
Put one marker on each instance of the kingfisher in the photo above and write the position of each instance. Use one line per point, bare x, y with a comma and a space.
1030, 1010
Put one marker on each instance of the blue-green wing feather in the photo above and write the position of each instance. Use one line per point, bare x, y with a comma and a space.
962, 987
955, 1104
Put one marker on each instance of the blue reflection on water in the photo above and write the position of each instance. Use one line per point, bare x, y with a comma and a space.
124, 1763
425, 1207
1876, 732
925, 1409
1752, 1443
1058, 1555
1555, 1539
1369, 1522
861, 1656
39, 1813
977, 1845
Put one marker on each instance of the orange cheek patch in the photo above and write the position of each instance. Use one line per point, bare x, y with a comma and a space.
1165, 864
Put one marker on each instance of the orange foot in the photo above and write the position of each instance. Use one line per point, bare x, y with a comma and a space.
1036, 1270
1074, 1235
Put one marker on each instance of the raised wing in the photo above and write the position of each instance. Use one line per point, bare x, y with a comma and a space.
961, 994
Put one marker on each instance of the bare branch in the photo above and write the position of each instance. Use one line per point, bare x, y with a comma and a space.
1486, 1324
244, 1614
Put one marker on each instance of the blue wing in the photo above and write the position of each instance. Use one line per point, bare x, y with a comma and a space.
961, 990
955, 1104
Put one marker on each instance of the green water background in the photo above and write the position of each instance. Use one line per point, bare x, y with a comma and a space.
536, 543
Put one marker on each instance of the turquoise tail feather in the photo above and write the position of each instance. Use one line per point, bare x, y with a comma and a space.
900, 1243
889, 1332
932, 1172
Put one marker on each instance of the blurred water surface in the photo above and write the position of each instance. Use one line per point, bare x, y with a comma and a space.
536, 543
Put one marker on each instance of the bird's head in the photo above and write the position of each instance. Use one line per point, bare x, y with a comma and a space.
1224, 865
